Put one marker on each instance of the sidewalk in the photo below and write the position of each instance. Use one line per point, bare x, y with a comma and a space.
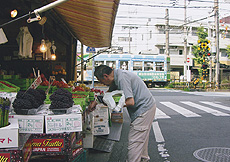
119, 150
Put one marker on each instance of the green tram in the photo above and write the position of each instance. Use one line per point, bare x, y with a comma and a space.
152, 69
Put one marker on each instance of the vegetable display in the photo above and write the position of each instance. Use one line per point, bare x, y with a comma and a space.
61, 98
6, 86
32, 98
4, 111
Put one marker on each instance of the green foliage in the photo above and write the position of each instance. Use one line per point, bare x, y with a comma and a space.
228, 51
201, 33
225, 81
170, 85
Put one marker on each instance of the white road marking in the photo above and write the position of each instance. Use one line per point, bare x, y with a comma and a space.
157, 132
161, 115
216, 105
218, 94
204, 108
181, 110
163, 152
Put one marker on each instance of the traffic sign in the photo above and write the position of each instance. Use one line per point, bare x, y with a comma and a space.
188, 59
90, 50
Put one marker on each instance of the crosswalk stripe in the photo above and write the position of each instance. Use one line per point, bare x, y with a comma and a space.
181, 110
204, 108
157, 131
216, 105
161, 115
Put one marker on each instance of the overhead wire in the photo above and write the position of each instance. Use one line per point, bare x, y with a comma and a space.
143, 5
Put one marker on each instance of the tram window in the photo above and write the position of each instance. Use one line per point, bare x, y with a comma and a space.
124, 65
137, 65
98, 63
159, 66
148, 66
111, 64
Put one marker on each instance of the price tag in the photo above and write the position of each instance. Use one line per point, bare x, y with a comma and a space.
36, 83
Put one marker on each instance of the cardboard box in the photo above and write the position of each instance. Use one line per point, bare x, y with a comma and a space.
29, 123
63, 123
9, 135
117, 117
21, 153
59, 144
101, 112
101, 128
88, 139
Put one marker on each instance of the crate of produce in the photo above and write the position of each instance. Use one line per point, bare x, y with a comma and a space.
83, 102
81, 157
23, 83
5, 77
69, 89
53, 144
15, 76
81, 93
6, 86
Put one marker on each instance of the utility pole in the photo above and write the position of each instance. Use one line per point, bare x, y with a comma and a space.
210, 58
167, 32
149, 19
216, 7
130, 28
129, 42
185, 41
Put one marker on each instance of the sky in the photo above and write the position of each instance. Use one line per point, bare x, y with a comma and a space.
139, 12
145, 13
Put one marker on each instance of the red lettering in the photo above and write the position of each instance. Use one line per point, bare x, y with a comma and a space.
2, 140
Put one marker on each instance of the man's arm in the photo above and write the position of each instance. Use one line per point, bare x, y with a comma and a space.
129, 102
92, 106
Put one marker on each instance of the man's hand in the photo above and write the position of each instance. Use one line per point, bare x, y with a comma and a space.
92, 106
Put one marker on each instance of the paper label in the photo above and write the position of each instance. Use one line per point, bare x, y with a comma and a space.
30, 123
63, 123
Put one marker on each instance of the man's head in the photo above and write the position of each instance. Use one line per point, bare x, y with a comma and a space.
104, 74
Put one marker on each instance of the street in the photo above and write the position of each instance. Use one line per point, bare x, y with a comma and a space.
189, 121
189, 126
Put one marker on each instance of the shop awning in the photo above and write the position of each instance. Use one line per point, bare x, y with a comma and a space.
91, 21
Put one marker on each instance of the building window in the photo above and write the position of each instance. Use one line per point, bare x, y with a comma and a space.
124, 39
160, 29
162, 51
223, 53
150, 34
180, 52
194, 31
